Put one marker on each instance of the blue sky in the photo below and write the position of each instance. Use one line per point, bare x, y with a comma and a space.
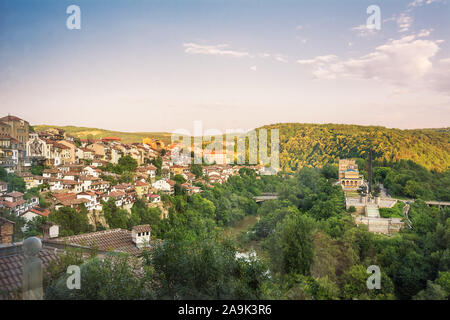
160, 65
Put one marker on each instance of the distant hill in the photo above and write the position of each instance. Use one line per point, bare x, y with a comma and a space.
317, 144
94, 133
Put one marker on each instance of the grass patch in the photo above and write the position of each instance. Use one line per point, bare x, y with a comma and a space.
395, 212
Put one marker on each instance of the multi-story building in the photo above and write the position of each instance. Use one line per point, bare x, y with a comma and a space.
15, 204
57, 153
36, 147
18, 129
72, 147
349, 176
10, 153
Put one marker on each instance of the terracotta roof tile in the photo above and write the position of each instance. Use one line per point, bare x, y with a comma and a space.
11, 271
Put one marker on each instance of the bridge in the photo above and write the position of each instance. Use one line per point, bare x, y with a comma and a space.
438, 203
266, 196
430, 203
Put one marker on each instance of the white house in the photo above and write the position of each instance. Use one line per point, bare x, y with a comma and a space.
91, 196
32, 213
162, 185
91, 171
55, 184
155, 198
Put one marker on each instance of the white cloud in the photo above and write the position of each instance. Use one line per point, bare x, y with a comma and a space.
264, 55
424, 33
404, 22
280, 58
363, 31
319, 60
419, 3
398, 61
253, 68
439, 79
222, 50
218, 50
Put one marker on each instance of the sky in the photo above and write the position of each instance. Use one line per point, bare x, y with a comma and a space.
138, 65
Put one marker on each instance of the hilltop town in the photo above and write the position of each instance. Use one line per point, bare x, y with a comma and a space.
84, 172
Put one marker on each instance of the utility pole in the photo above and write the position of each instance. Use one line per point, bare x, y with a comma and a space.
370, 171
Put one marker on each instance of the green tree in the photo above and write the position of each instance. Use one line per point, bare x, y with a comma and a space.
127, 163
37, 170
355, 285
178, 178
71, 221
210, 271
412, 189
114, 216
444, 281
126, 177
3, 174
197, 170
432, 292
330, 171
292, 249
112, 278
15, 183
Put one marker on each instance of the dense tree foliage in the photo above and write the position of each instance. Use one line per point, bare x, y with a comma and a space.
126, 165
71, 221
307, 247
15, 183
408, 179
318, 144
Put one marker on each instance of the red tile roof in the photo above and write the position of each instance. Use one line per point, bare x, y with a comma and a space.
141, 183
15, 194
13, 204
11, 118
11, 271
142, 228
116, 240
40, 211
171, 182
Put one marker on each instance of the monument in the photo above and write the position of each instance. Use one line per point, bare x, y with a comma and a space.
32, 270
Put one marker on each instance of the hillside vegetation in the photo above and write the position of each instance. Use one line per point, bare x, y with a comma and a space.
94, 133
315, 145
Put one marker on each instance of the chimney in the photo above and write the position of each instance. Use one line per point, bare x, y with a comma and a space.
50, 230
6, 231
140, 235
370, 172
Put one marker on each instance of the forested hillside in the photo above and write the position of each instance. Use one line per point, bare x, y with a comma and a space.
315, 145
95, 133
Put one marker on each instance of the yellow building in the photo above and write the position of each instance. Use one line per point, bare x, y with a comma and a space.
72, 150
28, 178
142, 188
15, 127
349, 176
176, 169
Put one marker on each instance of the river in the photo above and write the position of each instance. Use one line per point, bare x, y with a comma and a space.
242, 225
